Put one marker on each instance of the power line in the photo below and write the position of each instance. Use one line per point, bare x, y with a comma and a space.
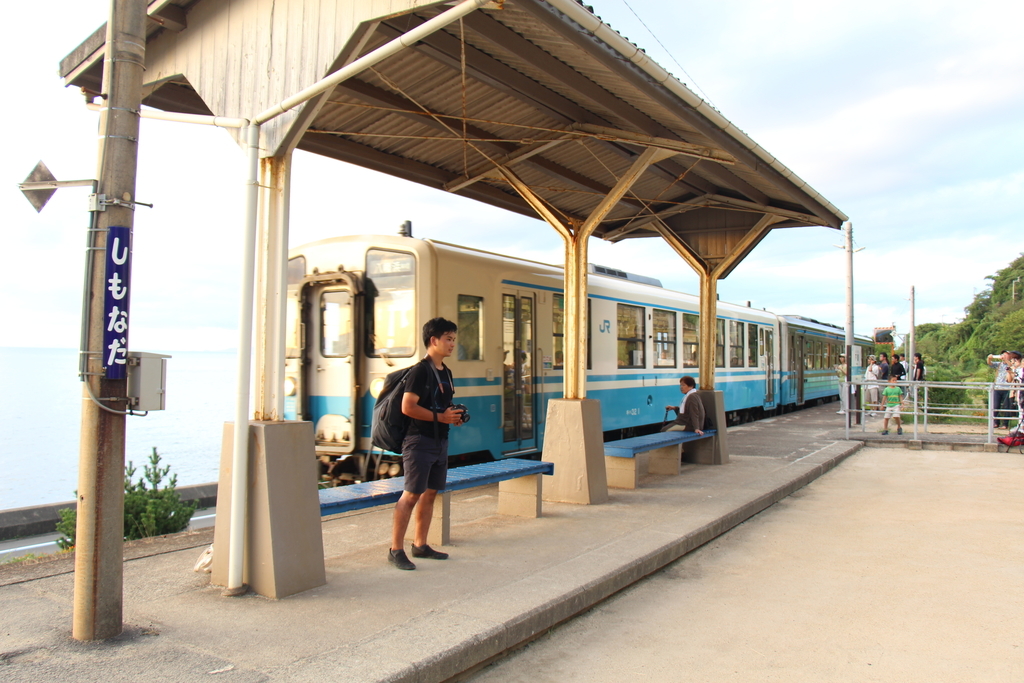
671, 56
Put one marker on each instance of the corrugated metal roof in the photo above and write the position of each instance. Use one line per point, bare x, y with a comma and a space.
533, 73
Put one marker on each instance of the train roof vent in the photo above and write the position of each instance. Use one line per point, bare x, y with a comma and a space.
623, 275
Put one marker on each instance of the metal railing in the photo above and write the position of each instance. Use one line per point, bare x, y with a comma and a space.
945, 402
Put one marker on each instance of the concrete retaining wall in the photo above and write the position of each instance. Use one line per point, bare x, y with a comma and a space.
42, 519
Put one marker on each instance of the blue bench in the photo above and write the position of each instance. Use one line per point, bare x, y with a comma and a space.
519, 492
627, 460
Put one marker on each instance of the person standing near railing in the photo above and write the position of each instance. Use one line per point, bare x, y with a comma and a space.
871, 381
1000, 397
918, 375
892, 396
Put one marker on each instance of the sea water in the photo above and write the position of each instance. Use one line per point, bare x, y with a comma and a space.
40, 422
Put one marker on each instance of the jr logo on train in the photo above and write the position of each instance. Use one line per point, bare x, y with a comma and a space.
356, 306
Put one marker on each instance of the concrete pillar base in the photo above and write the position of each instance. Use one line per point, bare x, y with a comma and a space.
710, 451
520, 497
664, 460
440, 532
625, 473
284, 550
574, 442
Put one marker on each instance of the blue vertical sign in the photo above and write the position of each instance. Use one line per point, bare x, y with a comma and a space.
115, 302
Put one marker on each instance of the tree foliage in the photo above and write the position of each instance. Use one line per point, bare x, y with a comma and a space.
993, 322
148, 509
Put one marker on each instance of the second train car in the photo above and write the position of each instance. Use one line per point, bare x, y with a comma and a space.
356, 305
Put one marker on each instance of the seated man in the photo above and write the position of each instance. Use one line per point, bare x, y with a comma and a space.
690, 414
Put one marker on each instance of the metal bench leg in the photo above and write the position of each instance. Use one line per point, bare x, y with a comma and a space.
440, 523
665, 460
520, 497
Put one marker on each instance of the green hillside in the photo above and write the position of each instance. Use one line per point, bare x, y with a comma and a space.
994, 322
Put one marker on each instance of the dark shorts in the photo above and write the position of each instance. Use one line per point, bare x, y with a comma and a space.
425, 464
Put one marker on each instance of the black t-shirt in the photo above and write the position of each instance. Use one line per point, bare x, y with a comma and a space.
423, 382
884, 367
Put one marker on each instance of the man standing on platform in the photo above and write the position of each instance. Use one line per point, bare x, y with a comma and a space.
690, 413
429, 389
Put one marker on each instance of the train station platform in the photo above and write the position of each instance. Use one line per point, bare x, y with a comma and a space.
508, 580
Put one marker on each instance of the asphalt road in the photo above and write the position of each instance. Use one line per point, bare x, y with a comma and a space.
898, 565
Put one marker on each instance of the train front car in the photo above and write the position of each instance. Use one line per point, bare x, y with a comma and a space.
352, 317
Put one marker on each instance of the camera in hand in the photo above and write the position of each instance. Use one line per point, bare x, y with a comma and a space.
465, 412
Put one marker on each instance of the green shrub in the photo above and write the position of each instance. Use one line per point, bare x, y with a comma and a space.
148, 509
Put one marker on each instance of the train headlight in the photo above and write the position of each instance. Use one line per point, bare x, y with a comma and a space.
375, 386
290, 386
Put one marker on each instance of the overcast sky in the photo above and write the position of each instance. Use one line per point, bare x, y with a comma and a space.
906, 115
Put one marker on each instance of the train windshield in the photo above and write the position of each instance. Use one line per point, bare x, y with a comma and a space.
394, 321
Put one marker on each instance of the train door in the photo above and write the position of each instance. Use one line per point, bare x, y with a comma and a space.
768, 349
331, 373
518, 404
796, 365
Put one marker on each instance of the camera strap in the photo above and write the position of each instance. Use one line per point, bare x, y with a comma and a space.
440, 389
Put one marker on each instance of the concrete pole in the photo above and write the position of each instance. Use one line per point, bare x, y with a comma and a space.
99, 541
912, 342
849, 320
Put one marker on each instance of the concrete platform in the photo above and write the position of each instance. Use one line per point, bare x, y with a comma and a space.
508, 580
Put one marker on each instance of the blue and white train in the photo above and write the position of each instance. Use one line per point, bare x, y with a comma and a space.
356, 306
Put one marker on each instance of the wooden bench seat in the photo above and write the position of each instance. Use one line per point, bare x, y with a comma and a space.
627, 460
519, 492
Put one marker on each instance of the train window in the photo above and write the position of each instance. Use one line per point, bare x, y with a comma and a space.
335, 324
558, 330
720, 343
735, 344
664, 339
808, 354
470, 337
296, 269
691, 340
753, 355
630, 336
393, 278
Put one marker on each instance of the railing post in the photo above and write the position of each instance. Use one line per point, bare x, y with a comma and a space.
991, 401
926, 408
913, 386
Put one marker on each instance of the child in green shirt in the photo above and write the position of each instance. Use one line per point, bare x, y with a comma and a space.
892, 399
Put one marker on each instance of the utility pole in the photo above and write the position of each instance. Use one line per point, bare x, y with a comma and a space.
100, 532
846, 403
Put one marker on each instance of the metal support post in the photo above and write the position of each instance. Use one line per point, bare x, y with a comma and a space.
272, 286
240, 454
98, 602
708, 330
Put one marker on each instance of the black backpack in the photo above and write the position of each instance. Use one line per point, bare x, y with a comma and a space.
389, 424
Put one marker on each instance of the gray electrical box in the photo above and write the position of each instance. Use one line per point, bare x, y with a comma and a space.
147, 380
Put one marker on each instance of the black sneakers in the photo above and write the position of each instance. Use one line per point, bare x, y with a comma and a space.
427, 552
400, 559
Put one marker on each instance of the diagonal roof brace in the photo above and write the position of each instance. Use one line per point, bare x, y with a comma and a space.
675, 146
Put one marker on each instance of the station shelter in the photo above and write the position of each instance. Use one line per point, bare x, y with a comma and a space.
533, 106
